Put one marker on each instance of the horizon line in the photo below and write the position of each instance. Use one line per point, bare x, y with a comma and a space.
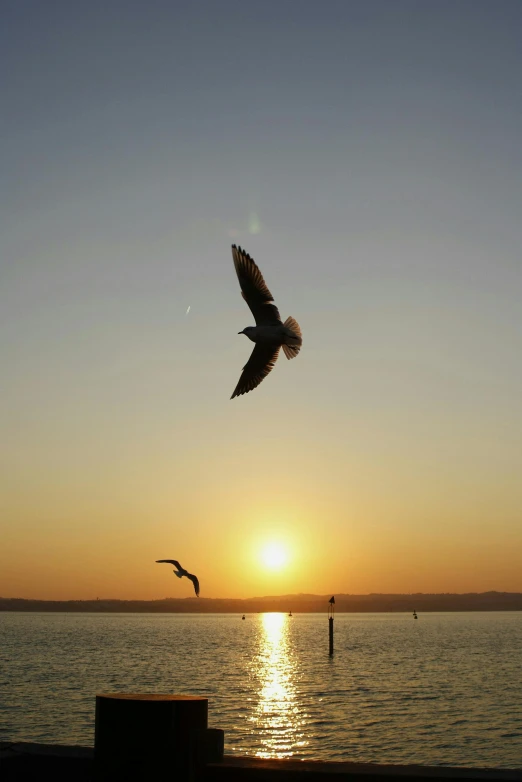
290, 596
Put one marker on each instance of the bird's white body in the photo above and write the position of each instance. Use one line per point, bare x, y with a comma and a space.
271, 335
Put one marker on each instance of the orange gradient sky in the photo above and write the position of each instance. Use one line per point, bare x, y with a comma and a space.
378, 186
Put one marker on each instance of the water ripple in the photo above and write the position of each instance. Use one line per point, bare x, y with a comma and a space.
445, 690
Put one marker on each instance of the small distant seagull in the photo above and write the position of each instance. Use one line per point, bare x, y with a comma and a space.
269, 333
188, 310
180, 572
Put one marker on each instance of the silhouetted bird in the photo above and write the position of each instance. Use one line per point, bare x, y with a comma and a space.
269, 333
180, 572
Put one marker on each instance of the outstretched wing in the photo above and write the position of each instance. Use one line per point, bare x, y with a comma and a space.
258, 366
171, 562
254, 288
195, 582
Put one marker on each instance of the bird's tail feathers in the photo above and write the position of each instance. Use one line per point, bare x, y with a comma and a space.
294, 338
290, 351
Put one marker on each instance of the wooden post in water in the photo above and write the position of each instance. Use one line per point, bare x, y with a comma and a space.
331, 611
140, 736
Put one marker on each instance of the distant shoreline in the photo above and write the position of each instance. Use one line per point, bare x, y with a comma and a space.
373, 603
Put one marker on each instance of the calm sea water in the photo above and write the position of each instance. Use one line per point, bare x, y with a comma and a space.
443, 690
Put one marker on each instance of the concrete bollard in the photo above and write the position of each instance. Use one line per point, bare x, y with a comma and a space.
141, 735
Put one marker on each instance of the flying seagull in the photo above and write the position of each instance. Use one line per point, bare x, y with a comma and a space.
180, 572
269, 333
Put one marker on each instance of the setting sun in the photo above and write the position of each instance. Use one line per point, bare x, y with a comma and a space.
274, 555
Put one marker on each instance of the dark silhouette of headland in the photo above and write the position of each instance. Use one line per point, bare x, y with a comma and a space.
302, 603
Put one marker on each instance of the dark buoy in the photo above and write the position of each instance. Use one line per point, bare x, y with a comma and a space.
290, 614
243, 616
414, 614
331, 611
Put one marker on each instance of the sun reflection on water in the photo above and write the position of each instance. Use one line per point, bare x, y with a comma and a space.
277, 720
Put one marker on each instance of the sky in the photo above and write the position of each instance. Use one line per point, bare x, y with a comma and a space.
367, 155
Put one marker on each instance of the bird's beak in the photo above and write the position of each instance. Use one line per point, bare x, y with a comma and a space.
240, 332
